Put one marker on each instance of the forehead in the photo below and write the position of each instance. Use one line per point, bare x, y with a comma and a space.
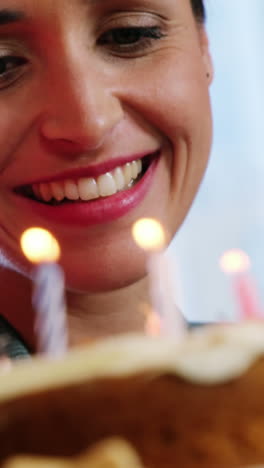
49, 6
46, 17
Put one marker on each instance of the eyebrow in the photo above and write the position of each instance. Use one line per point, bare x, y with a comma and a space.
10, 16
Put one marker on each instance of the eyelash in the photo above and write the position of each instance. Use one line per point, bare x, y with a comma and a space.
11, 73
142, 38
122, 41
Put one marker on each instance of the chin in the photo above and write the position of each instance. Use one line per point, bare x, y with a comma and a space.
102, 281
107, 285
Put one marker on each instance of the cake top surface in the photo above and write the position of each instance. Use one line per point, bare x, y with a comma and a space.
206, 356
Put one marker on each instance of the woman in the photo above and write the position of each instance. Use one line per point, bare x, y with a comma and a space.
87, 87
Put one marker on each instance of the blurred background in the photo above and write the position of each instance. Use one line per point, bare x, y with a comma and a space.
228, 212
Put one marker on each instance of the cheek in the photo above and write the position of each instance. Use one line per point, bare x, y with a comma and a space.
172, 95
19, 110
9, 133
174, 99
15, 123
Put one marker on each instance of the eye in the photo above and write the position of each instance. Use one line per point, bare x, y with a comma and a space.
130, 39
11, 67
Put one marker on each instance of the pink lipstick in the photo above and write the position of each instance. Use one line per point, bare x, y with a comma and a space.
98, 211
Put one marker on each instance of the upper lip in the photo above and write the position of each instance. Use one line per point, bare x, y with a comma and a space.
92, 170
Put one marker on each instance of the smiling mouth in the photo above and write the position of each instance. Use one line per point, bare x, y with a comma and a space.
87, 189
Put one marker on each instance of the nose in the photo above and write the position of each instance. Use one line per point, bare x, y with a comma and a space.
81, 111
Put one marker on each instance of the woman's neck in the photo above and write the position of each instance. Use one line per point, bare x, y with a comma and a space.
99, 315
90, 316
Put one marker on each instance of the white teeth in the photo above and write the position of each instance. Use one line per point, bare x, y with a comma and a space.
89, 188
57, 190
134, 169
119, 177
127, 173
71, 190
107, 185
45, 192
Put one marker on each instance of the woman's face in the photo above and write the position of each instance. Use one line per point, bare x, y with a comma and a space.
87, 86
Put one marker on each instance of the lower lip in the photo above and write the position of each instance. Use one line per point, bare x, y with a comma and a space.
97, 211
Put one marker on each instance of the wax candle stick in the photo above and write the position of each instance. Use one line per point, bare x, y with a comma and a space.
41, 248
150, 236
237, 265
48, 301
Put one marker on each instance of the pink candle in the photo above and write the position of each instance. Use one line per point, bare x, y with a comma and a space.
247, 296
236, 263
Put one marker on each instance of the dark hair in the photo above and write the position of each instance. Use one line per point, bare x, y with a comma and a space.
198, 9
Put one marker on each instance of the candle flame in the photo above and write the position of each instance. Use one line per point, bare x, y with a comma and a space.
152, 321
149, 234
153, 325
235, 261
39, 245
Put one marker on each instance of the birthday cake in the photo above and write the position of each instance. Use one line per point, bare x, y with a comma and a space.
197, 403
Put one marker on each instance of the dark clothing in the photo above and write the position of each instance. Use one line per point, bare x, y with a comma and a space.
11, 343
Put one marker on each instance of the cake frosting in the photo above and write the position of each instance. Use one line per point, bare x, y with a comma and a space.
197, 402
209, 355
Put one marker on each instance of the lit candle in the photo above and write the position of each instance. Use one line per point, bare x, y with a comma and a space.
153, 326
237, 264
42, 249
150, 236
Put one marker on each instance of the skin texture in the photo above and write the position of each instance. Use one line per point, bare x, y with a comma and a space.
76, 102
